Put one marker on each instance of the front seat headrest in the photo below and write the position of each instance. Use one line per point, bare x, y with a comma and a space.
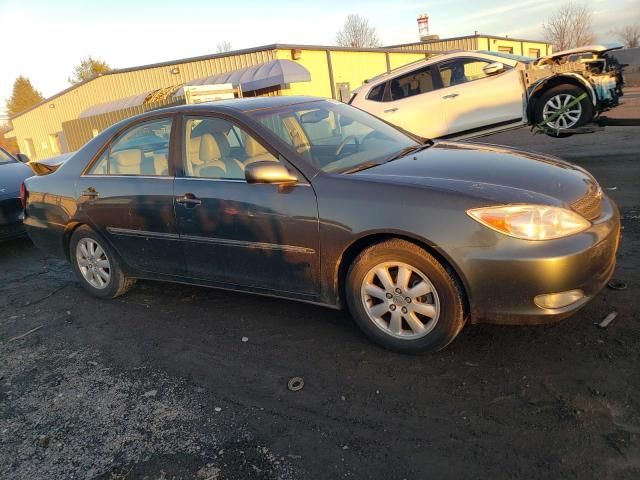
252, 147
209, 149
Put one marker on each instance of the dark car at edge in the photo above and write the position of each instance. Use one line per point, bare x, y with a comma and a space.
313, 200
12, 173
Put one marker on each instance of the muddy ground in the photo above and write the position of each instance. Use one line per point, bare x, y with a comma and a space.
159, 384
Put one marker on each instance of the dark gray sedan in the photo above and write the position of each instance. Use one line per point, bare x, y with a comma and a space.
12, 173
314, 200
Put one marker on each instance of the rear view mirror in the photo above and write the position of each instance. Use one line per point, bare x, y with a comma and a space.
23, 158
268, 172
493, 68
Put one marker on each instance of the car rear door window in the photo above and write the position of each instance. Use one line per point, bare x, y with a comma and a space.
217, 148
462, 70
141, 150
411, 84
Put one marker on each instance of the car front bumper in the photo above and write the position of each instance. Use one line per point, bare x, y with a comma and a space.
503, 281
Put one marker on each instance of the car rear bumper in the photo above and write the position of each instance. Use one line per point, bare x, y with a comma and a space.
10, 218
503, 282
11, 230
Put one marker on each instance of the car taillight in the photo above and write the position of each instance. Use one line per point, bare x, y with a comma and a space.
23, 195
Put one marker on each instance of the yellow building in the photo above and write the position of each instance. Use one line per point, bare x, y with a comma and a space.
65, 121
515, 46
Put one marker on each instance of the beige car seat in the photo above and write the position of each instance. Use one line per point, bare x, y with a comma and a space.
127, 162
214, 158
255, 151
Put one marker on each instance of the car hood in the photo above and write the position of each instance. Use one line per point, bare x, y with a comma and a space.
11, 177
599, 48
493, 173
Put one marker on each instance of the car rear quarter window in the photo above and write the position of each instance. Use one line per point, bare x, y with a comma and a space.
141, 150
413, 83
5, 157
376, 93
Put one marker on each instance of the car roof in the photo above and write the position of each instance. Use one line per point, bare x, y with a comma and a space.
243, 105
433, 59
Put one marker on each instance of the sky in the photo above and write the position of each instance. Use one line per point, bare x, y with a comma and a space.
45, 39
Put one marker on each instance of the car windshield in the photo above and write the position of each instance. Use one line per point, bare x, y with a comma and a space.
5, 157
333, 136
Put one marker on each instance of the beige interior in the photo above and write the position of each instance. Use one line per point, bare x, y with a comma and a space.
127, 162
255, 151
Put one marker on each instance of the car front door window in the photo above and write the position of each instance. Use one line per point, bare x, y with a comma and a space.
461, 70
217, 148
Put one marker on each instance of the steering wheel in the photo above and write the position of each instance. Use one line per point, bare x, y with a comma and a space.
344, 144
373, 135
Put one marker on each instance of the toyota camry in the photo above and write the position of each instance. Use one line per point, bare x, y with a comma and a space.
313, 200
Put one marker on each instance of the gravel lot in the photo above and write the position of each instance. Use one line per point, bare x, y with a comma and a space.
159, 384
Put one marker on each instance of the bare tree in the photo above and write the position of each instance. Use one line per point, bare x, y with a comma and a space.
223, 46
570, 26
629, 35
357, 33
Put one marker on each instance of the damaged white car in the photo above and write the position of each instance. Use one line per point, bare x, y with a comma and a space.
468, 93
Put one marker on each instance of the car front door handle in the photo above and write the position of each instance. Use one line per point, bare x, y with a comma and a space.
451, 95
189, 200
390, 110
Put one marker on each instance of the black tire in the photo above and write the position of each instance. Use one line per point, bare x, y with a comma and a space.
117, 284
451, 318
565, 89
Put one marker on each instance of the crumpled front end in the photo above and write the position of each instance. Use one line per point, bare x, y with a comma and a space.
595, 68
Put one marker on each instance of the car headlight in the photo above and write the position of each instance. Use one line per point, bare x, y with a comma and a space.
531, 222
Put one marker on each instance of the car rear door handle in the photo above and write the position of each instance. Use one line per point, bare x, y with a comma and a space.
390, 110
89, 192
189, 200
451, 95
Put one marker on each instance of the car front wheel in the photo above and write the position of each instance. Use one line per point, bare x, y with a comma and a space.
559, 104
96, 266
403, 298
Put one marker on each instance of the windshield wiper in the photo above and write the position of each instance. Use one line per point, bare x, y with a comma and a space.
362, 166
402, 153
409, 150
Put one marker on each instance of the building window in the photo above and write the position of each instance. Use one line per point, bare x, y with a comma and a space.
534, 52
54, 143
30, 148
505, 49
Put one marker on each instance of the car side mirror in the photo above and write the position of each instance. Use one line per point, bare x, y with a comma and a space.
22, 157
493, 68
269, 172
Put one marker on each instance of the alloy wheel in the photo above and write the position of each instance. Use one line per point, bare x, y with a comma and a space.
93, 263
400, 300
566, 119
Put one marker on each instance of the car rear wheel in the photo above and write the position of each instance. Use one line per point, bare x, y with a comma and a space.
96, 266
403, 298
557, 99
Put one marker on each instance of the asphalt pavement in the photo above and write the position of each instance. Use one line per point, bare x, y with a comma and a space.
172, 381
